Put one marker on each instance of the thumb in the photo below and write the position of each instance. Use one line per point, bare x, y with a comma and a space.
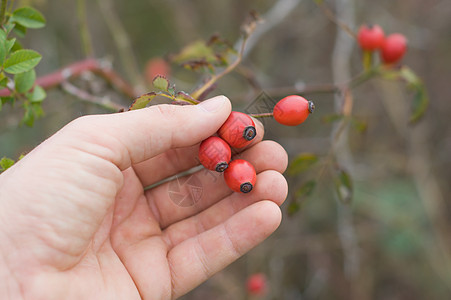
135, 136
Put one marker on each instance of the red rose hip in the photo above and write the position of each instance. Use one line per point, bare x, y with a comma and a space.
240, 176
293, 110
370, 37
214, 154
257, 284
394, 48
238, 130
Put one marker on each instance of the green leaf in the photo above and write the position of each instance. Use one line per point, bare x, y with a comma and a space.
9, 27
332, 118
359, 125
28, 17
16, 46
161, 83
410, 77
37, 95
6, 163
2, 53
3, 82
419, 104
142, 101
343, 186
2, 36
28, 117
7, 99
196, 50
22, 61
306, 189
293, 208
20, 30
421, 99
301, 163
24, 81
9, 44
182, 96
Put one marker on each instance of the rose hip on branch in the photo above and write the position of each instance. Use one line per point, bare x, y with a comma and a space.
394, 48
240, 176
370, 37
238, 130
214, 154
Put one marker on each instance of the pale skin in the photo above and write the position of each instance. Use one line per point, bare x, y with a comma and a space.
76, 222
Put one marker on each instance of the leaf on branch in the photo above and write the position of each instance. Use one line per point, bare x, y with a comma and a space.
182, 96
195, 65
410, 77
28, 17
293, 208
9, 45
419, 104
421, 99
23, 82
302, 163
332, 118
196, 50
306, 189
142, 101
343, 186
161, 83
22, 61
360, 125
6, 163
3, 82
20, 30
37, 95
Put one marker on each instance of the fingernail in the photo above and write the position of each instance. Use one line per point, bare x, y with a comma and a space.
213, 104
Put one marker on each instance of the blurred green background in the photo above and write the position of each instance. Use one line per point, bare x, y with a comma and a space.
393, 241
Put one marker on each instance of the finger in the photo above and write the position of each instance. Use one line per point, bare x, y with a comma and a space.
175, 161
266, 155
135, 136
271, 185
198, 258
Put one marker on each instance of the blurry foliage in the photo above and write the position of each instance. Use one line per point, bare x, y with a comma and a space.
399, 251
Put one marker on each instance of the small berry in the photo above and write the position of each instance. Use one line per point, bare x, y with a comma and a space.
394, 48
370, 37
238, 130
240, 176
214, 154
293, 110
156, 66
257, 284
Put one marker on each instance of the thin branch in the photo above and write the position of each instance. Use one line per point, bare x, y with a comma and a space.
99, 67
273, 17
82, 95
84, 29
329, 14
122, 41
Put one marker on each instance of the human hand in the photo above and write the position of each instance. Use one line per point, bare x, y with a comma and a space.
76, 222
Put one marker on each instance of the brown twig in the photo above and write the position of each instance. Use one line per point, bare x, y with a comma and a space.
74, 70
85, 96
329, 14
122, 41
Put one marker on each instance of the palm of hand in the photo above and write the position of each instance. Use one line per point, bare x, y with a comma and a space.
91, 231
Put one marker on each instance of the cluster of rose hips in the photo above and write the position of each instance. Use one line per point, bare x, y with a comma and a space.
392, 48
238, 131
